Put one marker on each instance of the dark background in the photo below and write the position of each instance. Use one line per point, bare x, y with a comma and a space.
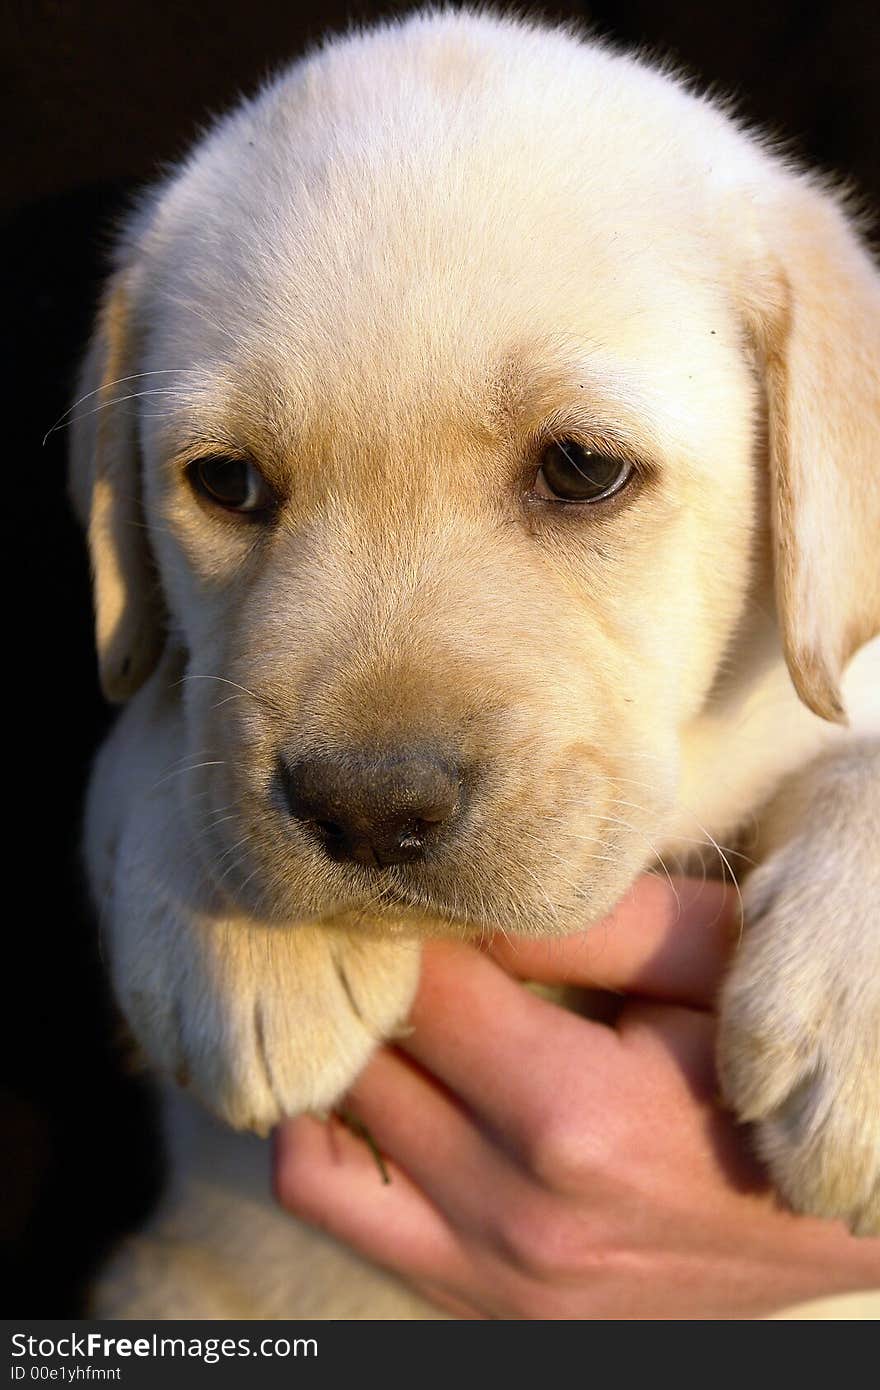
99, 96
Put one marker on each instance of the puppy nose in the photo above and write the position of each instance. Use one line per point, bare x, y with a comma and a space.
377, 809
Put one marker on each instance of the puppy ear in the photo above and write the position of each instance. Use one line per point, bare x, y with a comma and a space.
105, 485
813, 301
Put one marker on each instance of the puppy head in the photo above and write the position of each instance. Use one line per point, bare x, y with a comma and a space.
446, 462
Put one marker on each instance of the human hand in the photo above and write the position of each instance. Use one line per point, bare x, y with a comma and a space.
545, 1166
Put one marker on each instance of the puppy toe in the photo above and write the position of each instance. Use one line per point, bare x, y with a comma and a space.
807, 1090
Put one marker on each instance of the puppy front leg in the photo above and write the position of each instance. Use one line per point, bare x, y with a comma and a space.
259, 1021
799, 1048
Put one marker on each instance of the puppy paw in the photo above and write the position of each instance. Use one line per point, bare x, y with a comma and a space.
799, 1042
264, 1022
258, 1021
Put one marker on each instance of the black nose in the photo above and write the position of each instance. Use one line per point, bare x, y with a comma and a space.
375, 809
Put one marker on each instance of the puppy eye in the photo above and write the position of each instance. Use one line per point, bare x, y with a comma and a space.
569, 472
233, 483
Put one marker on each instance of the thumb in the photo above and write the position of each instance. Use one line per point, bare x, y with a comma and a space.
666, 939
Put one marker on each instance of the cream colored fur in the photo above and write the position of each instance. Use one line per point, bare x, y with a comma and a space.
411, 257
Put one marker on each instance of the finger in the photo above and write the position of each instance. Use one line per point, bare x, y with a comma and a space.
679, 1040
673, 1049
326, 1175
436, 1143
665, 939
458, 1308
514, 1059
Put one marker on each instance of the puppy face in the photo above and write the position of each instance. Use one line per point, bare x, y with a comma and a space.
450, 422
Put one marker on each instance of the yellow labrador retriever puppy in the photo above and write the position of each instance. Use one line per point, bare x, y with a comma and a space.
479, 448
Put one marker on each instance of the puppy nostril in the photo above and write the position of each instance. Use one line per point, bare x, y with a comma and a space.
329, 829
416, 832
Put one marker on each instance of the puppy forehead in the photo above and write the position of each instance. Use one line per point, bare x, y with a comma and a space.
341, 248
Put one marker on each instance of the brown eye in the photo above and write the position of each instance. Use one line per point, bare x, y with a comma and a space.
570, 472
233, 483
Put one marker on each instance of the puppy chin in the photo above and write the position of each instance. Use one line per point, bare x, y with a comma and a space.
468, 902
398, 916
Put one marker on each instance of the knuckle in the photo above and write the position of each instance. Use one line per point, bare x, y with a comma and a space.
542, 1241
562, 1153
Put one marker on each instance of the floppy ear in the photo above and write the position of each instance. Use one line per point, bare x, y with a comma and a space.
814, 309
105, 486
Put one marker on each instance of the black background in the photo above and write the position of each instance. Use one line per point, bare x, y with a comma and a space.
99, 95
